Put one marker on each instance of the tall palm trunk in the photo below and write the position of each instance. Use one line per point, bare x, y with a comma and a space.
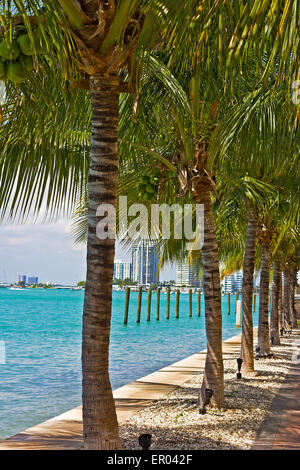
263, 322
100, 426
214, 368
247, 294
275, 304
280, 312
286, 299
293, 282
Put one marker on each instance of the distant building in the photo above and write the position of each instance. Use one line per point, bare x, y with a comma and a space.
33, 280
186, 275
232, 283
228, 284
22, 279
122, 270
127, 270
237, 281
145, 263
118, 269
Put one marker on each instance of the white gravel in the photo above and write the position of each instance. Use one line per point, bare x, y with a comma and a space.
175, 423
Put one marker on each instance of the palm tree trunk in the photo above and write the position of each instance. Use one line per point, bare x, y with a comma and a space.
286, 300
275, 304
293, 282
280, 312
263, 322
247, 294
100, 426
214, 368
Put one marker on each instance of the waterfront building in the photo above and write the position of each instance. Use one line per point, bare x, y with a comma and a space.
145, 259
237, 281
227, 284
33, 280
22, 279
127, 270
186, 275
122, 270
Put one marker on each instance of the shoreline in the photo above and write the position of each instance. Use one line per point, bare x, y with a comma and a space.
65, 430
163, 403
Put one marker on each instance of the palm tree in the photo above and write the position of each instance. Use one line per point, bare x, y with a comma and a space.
293, 283
263, 321
275, 311
90, 42
186, 153
250, 144
247, 292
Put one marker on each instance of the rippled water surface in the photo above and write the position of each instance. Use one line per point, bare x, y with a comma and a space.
42, 333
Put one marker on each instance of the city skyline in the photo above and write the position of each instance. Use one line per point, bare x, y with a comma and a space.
48, 250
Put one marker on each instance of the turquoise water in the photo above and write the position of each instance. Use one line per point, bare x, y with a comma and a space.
41, 330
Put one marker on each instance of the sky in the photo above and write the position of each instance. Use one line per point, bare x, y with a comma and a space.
47, 250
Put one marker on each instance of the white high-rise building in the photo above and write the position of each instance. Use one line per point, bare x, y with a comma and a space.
122, 270
233, 283
227, 284
237, 281
127, 270
145, 263
186, 275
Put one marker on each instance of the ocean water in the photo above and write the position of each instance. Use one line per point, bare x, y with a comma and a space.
41, 330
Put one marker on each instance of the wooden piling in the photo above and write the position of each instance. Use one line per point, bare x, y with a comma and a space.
138, 314
199, 303
236, 299
157, 302
238, 314
168, 303
149, 304
177, 303
190, 303
228, 303
254, 302
126, 305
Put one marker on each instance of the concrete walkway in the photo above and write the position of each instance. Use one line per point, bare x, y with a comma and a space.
280, 430
64, 432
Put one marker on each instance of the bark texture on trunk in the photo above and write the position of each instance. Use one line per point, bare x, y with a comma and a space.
100, 426
280, 310
293, 283
286, 299
263, 322
275, 305
247, 294
214, 368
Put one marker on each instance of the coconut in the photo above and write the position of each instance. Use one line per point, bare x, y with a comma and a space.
154, 180
150, 189
9, 50
2, 69
16, 72
145, 179
141, 187
26, 45
146, 197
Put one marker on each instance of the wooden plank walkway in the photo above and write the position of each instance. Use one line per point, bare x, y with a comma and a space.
280, 430
64, 432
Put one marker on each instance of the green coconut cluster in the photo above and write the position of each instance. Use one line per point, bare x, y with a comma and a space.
16, 56
148, 184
